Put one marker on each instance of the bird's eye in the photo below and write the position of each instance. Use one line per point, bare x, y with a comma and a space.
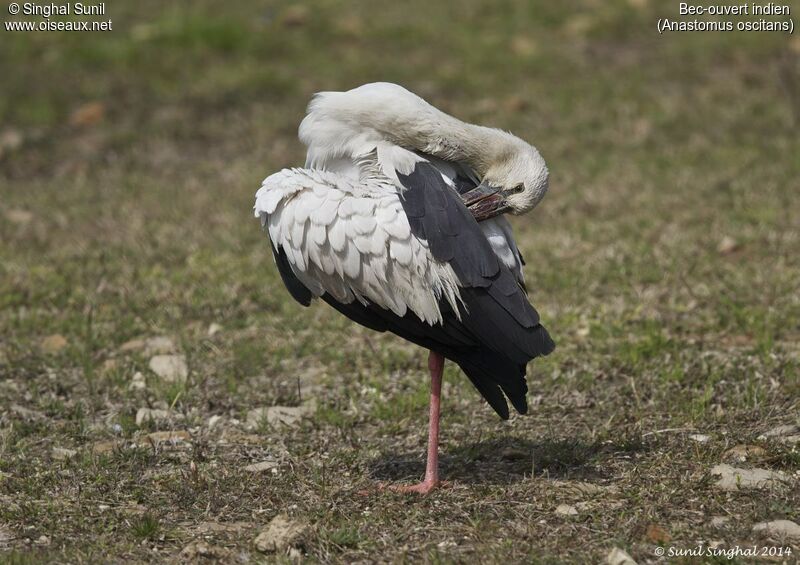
517, 189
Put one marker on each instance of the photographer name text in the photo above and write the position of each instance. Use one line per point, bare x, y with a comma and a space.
73, 9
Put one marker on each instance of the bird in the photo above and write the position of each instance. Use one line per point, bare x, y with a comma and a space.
398, 221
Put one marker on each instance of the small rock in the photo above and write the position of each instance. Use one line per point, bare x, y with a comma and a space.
261, 467
109, 366
132, 345
104, 446
720, 521
524, 45
274, 415
214, 329
19, 217
171, 368
155, 414
10, 140
700, 438
779, 528
780, 431
566, 510
42, 540
200, 550
714, 544
60, 453
54, 343
158, 345
743, 452
138, 382
287, 415
734, 478
256, 416
619, 556
6, 536
727, 245
281, 534
213, 421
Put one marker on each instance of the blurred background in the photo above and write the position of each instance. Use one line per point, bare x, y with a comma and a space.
664, 261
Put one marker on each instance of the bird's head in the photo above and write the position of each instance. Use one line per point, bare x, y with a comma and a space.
515, 179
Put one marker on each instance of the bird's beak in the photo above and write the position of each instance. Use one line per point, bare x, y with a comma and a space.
485, 201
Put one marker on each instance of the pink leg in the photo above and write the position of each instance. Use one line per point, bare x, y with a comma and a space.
431, 481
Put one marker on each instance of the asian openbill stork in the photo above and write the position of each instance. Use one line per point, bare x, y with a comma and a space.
397, 222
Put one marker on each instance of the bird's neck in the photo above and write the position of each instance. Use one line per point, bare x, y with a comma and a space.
448, 138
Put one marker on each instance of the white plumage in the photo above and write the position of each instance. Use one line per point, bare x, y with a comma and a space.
352, 240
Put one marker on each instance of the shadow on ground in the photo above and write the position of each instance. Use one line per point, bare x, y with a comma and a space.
509, 460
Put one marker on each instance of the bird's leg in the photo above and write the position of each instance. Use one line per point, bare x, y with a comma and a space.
431, 481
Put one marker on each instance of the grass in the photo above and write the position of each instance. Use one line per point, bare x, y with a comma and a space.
663, 261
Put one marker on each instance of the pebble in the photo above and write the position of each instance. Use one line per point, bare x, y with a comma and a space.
281, 534
60, 453
6, 536
727, 245
171, 368
700, 438
743, 452
566, 510
284, 415
138, 382
150, 346
54, 343
779, 432
200, 551
144, 415
735, 478
779, 528
720, 521
619, 556
261, 467
16, 216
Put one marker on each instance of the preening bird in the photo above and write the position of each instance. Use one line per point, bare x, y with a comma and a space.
397, 221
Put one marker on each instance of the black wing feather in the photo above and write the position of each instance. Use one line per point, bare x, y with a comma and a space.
297, 289
497, 313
